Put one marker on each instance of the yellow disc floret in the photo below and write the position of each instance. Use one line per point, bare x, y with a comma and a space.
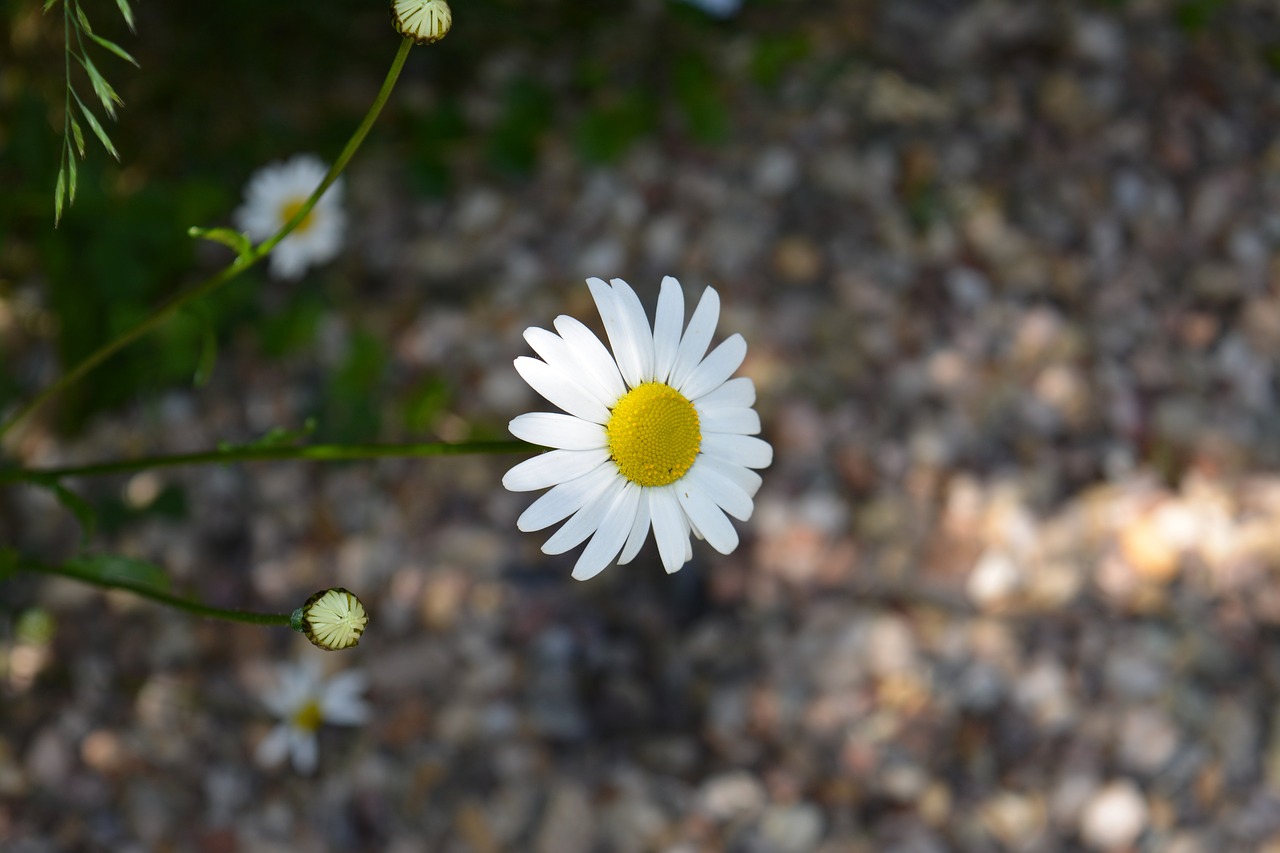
308, 717
290, 209
653, 434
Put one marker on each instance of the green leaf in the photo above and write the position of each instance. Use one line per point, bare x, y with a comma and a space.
95, 127
208, 353
106, 94
116, 49
126, 12
76, 132
69, 500
59, 191
8, 562
83, 19
118, 571
234, 240
48, 4
71, 183
79, 507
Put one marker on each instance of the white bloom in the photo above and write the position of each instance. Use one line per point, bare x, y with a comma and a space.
274, 194
303, 700
655, 435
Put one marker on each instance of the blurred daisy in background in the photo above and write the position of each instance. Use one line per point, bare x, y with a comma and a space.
303, 700
656, 435
274, 195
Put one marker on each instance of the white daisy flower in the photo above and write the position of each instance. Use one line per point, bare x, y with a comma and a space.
274, 195
304, 700
656, 435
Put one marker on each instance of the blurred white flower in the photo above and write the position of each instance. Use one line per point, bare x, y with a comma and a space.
657, 435
304, 700
274, 195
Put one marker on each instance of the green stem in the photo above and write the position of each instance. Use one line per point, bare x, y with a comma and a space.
239, 265
322, 452
156, 595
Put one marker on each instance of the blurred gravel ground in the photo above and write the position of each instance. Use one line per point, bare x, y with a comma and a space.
1009, 276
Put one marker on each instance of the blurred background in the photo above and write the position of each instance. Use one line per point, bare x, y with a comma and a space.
1008, 274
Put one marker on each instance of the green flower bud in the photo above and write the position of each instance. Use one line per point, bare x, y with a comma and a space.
424, 21
332, 619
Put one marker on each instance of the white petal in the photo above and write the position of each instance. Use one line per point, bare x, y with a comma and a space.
557, 353
561, 390
702, 325
737, 393
341, 703
305, 751
618, 330
707, 517
746, 479
670, 530
726, 494
548, 469
585, 521
273, 748
717, 419
637, 325
609, 537
562, 431
667, 323
566, 499
591, 355
716, 368
639, 532
745, 450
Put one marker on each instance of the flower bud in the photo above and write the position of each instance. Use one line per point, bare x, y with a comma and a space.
424, 21
332, 619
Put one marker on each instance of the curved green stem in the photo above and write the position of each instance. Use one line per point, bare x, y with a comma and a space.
70, 571
239, 265
322, 452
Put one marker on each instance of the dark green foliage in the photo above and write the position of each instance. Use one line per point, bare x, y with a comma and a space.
527, 114
351, 405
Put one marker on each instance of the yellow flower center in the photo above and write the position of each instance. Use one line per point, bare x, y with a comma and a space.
308, 717
290, 210
653, 434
